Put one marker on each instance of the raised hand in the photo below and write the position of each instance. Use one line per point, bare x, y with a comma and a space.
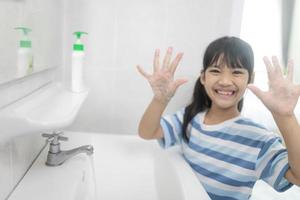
283, 94
162, 80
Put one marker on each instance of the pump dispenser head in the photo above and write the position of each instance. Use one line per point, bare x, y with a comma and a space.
24, 42
78, 46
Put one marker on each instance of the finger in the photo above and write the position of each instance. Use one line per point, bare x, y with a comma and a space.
258, 92
156, 61
179, 82
290, 68
145, 74
175, 63
167, 58
276, 65
268, 67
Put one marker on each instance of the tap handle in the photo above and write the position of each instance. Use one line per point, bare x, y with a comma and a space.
57, 134
62, 138
55, 137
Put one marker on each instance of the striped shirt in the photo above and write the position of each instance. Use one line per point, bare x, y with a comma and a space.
229, 157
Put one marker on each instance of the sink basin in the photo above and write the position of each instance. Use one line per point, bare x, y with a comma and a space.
122, 167
70, 181
49, 108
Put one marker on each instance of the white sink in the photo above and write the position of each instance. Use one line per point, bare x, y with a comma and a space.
123, 167
69, 181
49, 108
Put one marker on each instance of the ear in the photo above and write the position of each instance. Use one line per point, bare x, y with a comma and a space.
202, 77
252, 77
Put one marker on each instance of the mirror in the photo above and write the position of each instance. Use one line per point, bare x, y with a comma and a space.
44, 19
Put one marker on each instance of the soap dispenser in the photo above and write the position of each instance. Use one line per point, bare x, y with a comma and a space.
78, 54
25, 56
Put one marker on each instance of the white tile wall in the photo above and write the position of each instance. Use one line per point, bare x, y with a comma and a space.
123, 34
295, 41
104, 80
6, 173
16, 154
44, 18
9, 17
23, 151
18, 88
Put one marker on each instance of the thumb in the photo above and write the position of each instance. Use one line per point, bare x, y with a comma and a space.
258, 92
179, 82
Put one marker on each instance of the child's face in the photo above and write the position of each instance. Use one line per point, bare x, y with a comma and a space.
224, 85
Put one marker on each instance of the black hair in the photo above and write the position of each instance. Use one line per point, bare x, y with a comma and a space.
235, 53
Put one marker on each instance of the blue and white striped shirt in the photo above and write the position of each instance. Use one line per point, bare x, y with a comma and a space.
229, 157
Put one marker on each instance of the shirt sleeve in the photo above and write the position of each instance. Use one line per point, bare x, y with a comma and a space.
172, 129
272, 164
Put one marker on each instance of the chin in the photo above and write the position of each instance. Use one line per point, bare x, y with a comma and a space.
226, 105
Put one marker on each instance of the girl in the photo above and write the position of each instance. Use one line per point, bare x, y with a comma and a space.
228, 152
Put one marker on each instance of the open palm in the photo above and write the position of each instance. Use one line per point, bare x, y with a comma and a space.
283, 94
162, 80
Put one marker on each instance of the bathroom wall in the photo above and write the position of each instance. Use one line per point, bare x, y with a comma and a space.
123, 34
16, 154
45, 43
295, 41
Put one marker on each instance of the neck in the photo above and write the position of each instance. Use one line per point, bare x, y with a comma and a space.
215, 115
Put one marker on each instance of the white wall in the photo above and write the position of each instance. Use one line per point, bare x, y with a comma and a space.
123, 34
44, 19
295, 41
263, 32
17, 153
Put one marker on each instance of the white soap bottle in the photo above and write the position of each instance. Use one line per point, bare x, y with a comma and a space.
25, 56
78, 54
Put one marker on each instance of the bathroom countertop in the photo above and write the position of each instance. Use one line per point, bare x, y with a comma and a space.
49, 108
69, 181
122, 167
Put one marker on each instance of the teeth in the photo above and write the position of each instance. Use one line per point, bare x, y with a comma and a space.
224, 92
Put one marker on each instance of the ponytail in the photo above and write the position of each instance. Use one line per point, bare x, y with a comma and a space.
200, 102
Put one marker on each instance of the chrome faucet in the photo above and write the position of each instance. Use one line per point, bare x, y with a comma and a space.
55, 156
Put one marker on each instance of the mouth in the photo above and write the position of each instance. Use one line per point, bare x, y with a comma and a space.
225, 93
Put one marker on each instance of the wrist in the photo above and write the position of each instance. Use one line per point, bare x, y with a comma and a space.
283, 115
284, 121
161, 100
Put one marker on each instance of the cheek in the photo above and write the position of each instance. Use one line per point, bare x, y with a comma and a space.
208, 90
243, 88
243, 81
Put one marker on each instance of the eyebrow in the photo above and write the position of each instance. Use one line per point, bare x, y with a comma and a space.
234, 68
215, 66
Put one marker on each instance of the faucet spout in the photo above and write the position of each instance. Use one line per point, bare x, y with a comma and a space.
55, 156
88, 149
55, 159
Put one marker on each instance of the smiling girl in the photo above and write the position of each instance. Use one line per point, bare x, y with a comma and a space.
228, 152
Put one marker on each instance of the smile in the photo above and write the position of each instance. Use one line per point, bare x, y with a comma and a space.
227, 93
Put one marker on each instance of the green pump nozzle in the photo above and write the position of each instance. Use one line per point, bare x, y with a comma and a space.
78, 46
25, 42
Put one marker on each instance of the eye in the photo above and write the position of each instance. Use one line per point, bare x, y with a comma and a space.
215, 71
238, 72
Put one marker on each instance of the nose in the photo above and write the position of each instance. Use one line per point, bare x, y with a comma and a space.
225, 79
